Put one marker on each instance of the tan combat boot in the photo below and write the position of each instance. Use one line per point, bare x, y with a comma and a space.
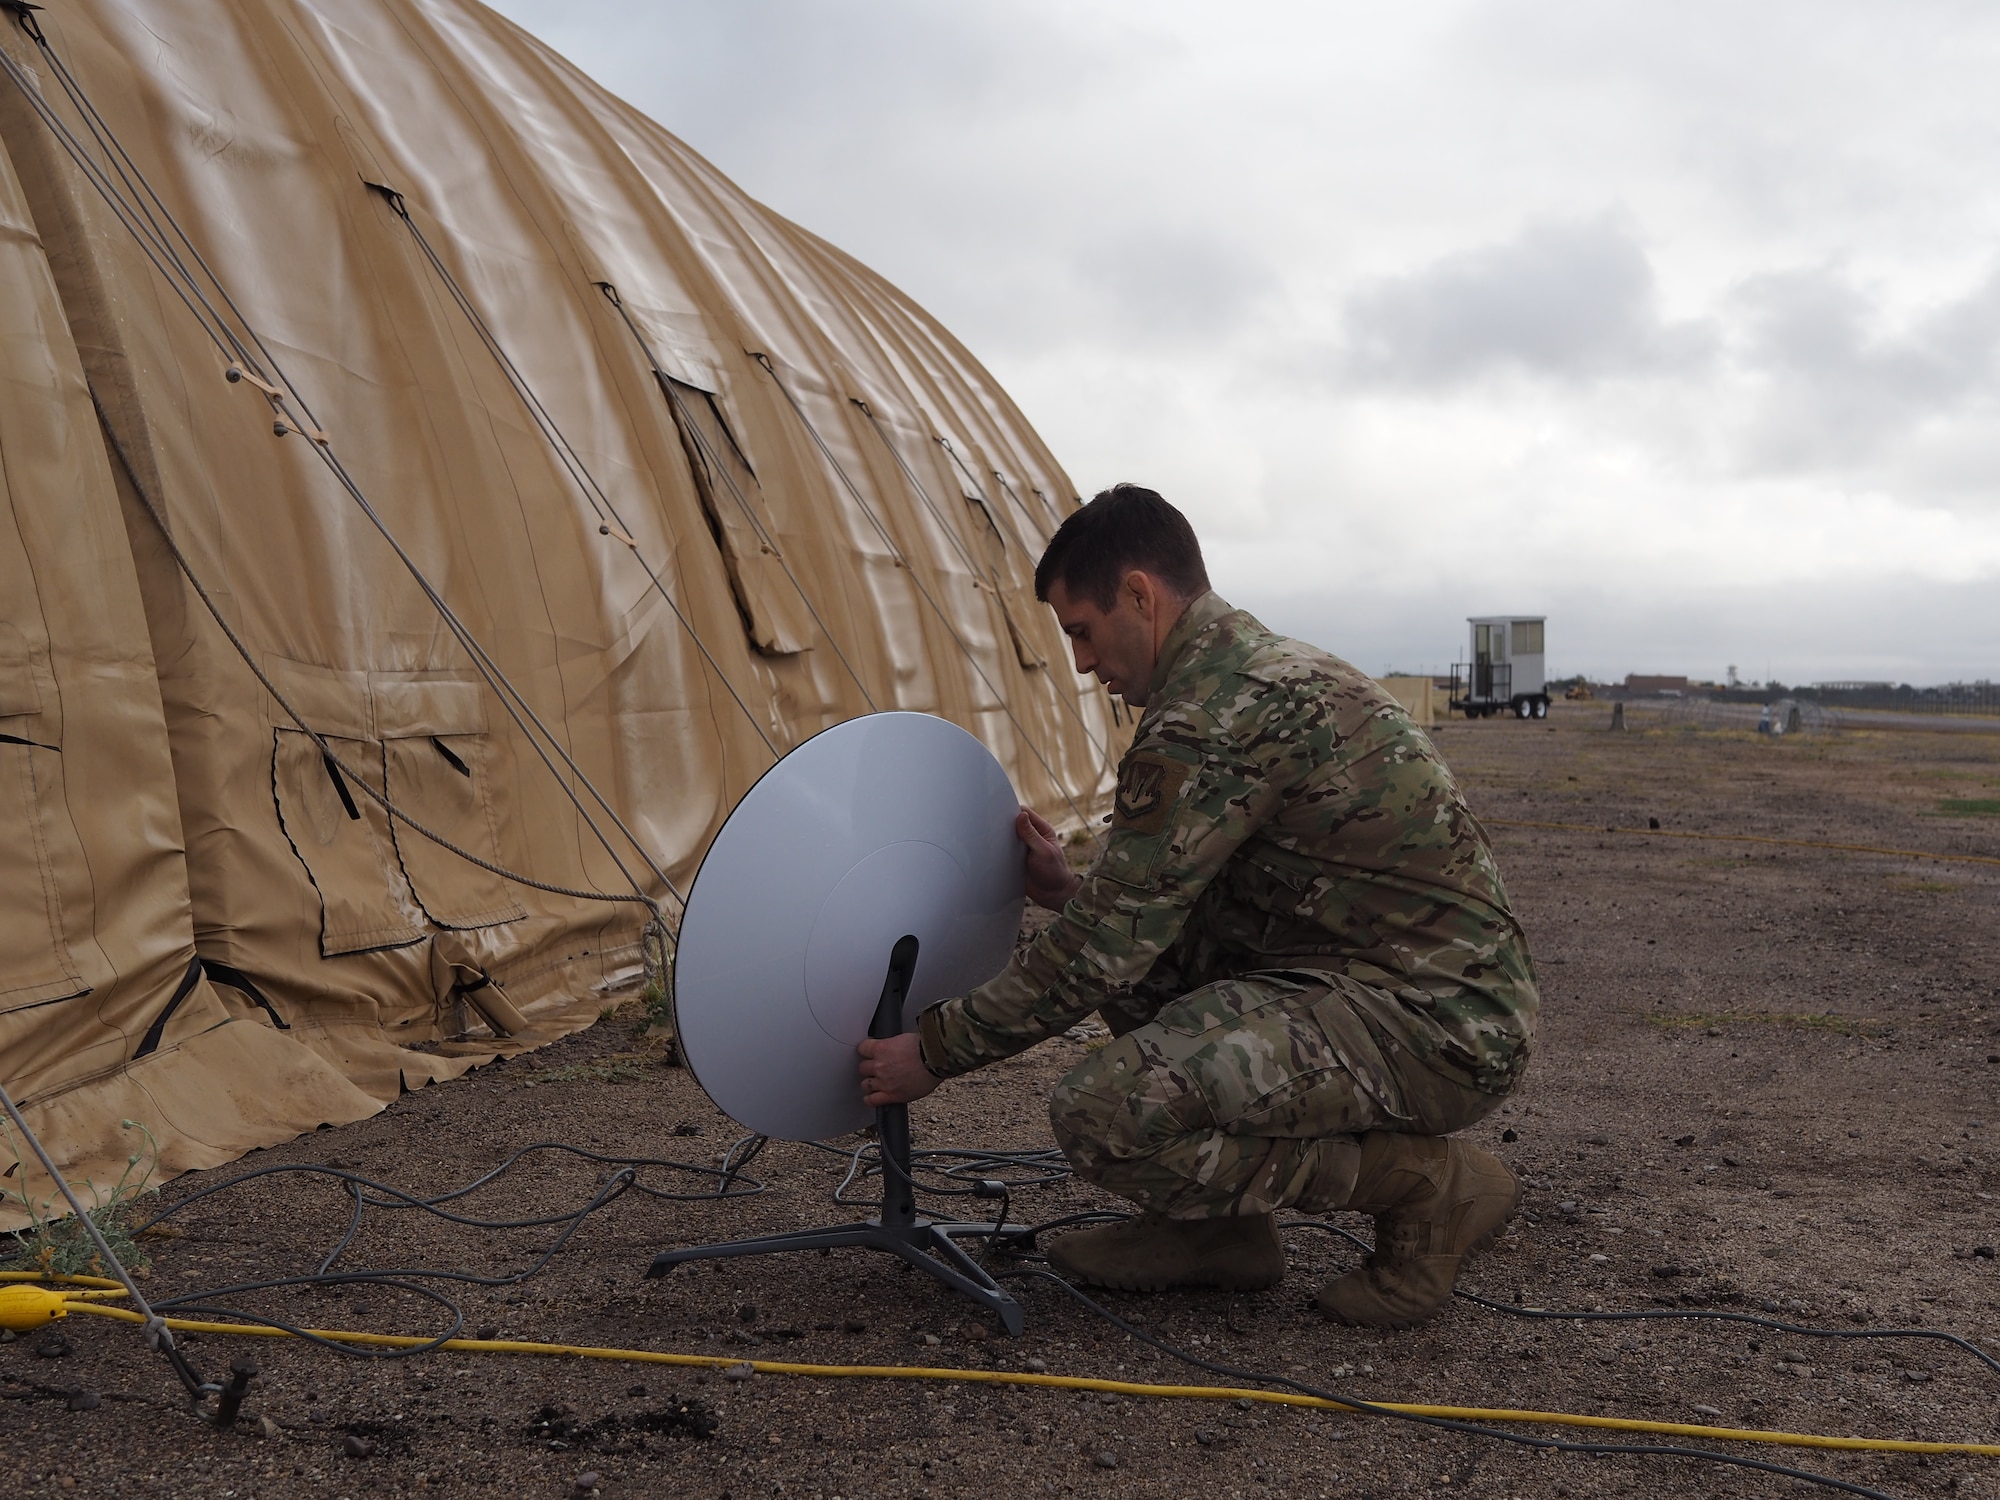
1153, 1254
1435, 1201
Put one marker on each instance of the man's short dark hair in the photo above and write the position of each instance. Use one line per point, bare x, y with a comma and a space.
1122, 528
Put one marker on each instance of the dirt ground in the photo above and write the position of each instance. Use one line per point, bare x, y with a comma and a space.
1768, 1078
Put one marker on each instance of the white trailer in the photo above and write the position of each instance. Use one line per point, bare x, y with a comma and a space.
1504, 671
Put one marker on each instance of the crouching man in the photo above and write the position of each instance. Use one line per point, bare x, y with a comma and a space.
1296, 934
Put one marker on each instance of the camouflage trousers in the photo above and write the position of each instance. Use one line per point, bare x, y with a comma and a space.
1249, 1095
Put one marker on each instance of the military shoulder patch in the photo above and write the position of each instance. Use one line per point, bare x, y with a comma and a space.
1147, 786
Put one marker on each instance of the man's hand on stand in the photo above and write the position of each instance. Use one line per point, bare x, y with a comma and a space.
1050, 881
893, 1071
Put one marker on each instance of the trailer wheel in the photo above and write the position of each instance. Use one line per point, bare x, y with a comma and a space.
1541, 708
1523, 707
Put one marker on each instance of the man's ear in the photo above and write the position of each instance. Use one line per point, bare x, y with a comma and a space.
1142, 592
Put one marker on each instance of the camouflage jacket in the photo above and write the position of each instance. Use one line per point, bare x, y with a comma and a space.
1278, 811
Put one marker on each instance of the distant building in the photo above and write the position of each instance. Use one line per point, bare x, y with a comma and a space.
1636, 682
1505, 672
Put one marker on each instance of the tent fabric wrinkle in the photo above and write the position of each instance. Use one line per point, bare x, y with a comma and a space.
430, 496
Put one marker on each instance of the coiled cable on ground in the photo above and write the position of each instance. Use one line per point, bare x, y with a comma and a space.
962, 1171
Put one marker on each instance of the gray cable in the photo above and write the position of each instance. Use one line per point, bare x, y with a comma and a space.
154, 244
319, 740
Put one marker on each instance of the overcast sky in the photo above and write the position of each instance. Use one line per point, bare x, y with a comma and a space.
1679, 323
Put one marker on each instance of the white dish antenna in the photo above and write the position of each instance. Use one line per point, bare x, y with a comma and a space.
886, 826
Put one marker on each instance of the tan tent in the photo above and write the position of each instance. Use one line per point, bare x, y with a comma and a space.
393, 419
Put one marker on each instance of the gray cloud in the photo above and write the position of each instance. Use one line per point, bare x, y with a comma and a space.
1574, 301
1149, 220
1159, 285
1839, 387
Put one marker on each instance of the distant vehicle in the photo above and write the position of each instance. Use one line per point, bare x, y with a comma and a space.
1579, 692
1505, 673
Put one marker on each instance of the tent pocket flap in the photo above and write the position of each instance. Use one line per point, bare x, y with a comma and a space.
407, 707
35, 962
440, 780
772, 603
342, 837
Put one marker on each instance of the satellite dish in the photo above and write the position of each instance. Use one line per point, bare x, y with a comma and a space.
869, 873
886, 826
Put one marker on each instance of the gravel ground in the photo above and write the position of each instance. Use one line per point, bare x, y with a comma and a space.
1768, 1078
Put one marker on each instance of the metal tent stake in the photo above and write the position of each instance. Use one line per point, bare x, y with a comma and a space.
930, 1247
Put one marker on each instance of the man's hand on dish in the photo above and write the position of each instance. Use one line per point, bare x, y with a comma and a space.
893, 1071
1050, 881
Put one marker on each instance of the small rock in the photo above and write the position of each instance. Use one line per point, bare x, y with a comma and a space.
637, 1390
587, 1482
741, 1370
1714, 1031
488, 1333
1035, 1366
975, 1333
929, 1340
1244, 1403
1106, 1460
82, 1400
1652, 822
1983, 1252
7, 1335
1683, 1140
1597, 1140
1730, 1161
1706, 1411
267, 1428
357, 1447
686, 1129
1784, 1193
1568, 1207
747, 1313
1667, 1273
1916, 1377
1510, 1135
1208, 1437
52, 1346
1600, 1260
854, 1325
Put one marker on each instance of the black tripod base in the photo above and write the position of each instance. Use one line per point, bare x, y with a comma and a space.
932, 1248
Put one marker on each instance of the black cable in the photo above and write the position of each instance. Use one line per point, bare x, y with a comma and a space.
1012, 1169
730, 1183
368, 1193
1654, 1314
1448, 1424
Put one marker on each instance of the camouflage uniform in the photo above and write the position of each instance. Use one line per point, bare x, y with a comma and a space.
1296, 934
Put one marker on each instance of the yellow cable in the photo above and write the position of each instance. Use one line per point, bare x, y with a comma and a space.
1745, 838
1074, 1383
